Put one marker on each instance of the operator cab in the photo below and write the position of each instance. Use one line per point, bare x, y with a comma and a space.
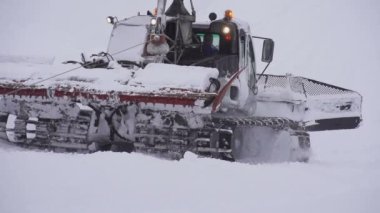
214, 45
225, 44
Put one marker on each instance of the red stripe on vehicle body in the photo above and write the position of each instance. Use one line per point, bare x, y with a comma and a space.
23, 92
76, 94
94, 96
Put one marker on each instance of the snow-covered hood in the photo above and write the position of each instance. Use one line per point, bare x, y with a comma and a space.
155, 78
161, 77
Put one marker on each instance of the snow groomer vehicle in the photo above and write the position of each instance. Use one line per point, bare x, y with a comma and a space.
168, 85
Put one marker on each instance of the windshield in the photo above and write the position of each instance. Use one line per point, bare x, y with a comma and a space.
128, 38
215, 39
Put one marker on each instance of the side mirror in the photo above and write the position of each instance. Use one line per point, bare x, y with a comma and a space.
268, 50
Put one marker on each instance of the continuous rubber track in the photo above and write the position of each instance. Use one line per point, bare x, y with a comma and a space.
72, 136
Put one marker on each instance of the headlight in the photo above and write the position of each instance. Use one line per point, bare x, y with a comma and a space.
226, 30
112, 19
153, 21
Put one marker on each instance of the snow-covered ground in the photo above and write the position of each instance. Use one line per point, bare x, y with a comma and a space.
342, 177
332, 41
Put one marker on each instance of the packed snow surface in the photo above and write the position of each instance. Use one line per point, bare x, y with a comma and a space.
331, 41
341, 177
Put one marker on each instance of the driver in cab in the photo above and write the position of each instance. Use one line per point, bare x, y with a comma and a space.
208, 47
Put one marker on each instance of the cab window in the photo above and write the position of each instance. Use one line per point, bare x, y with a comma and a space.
215, 39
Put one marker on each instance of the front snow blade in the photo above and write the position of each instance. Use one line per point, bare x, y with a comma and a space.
335, 124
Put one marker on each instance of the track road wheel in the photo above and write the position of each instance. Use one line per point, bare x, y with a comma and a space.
267, 145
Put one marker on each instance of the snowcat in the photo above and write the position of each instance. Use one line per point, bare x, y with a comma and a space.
168, 85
